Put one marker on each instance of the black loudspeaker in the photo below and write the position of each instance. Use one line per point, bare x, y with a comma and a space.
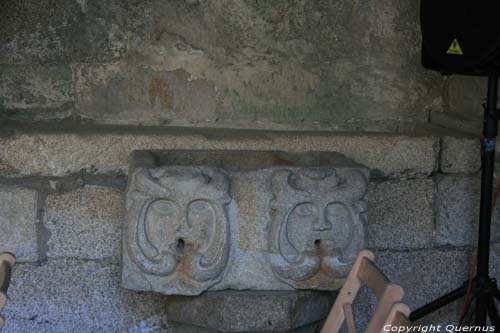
461, 37
464, 38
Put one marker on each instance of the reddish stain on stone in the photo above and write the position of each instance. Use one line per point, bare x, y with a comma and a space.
159, 91
280, 161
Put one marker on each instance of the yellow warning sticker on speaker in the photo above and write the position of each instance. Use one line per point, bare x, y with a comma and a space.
455, 48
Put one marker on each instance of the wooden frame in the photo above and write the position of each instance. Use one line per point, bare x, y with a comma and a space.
364, 271
398, 316
7, 260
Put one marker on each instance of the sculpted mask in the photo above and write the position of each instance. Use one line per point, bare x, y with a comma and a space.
317, 222
177, 232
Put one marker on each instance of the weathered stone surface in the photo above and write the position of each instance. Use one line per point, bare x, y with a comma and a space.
268, 65
285, 227
55, 32
51, 154
75, 296
154, 324
465, 123
317, 224
18, 220
466, 95
36, 92
401, 214
232, 311
460, 155
177, 235
463, 97
457, 205
115, 93
86, 223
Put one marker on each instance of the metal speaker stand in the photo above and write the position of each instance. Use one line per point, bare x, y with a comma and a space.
485, 290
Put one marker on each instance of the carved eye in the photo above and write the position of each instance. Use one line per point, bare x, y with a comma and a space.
164, 208
305, 209
199, 208
337, 211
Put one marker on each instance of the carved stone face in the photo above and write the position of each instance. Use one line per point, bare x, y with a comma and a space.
170, 226
311, 225
317, 221
177, 226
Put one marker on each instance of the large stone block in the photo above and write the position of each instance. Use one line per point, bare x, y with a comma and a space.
457, 209
18, 222
392, 156
75, 296
460, 154
278, 228
85, 223
246, 311
55, 32
401, 214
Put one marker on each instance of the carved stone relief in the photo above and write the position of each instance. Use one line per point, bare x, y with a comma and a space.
317, 223
176, 240
195, 228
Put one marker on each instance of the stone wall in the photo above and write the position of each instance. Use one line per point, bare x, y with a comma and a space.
240, 64
85, 83
64, 209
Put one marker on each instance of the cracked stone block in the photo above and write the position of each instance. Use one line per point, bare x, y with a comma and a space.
68, 295
244, 311
85, 223
457, 204
18, 220
192, 228
401, 214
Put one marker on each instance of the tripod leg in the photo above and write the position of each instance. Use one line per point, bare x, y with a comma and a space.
438, 303
497, 294
470, 313
481, 309
493, 312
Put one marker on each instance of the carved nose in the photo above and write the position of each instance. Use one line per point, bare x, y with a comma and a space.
322, 223
183, 230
